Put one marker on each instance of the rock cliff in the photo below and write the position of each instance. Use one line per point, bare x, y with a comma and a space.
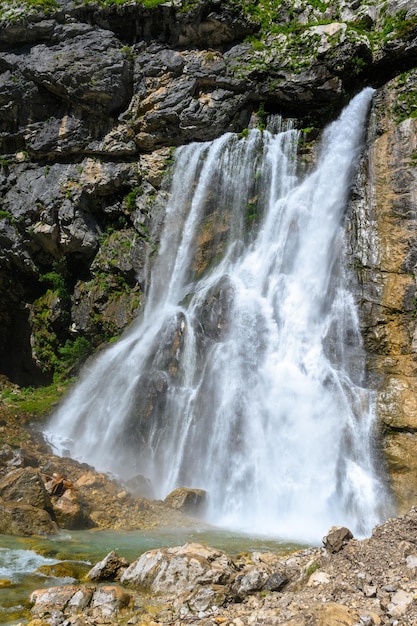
93, 97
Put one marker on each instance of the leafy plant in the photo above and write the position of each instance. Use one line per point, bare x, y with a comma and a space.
73, 353
130, 199
57, 283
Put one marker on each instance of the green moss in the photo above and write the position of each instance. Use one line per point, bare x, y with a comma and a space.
12, 11
6, 215
406, 105
262, 117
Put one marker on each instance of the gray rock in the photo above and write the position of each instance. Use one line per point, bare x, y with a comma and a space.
180, 569
275, 582
110, 568
337, 538
99, 602
191, 501
250, 580
26, 486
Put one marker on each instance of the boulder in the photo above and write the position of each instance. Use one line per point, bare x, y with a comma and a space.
25, 485
179, 569
139, 485
110, 568
57, 598
252, 579
99, 602
206, 598
70, 511
109, 600
24, 519
275, 582
337, 538
191, 501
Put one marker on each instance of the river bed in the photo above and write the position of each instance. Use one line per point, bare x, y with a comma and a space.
21, 558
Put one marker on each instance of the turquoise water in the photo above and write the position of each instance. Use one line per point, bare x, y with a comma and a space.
20, 558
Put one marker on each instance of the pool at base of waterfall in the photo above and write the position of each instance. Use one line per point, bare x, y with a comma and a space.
32, 563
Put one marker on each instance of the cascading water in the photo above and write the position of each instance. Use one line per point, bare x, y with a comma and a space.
244, 375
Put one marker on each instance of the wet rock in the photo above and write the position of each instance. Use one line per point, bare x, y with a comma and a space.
337, 538
65, 569
26, 520
191, 501
110, 568
57, 598
139, 486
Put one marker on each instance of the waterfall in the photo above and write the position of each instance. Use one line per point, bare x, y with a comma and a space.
245, 374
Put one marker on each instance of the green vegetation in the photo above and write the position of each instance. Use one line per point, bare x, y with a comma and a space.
6, 215
36, 402
58, 354
58, 284
312, 568
130, 199
406, 104
49, 323
398, 26
262, 117
358, 64
12, 10
106, 3
73, 353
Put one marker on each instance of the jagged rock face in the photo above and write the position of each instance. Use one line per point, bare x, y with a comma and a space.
384, 255
92, 99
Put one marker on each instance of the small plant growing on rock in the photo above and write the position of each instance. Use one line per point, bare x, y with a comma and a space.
130, 199
313, 567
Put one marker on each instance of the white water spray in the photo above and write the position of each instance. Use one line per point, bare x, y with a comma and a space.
245, 379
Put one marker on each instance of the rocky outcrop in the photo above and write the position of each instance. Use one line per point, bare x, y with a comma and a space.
41, 494
94, 95
100, 602
384, 257
370, 582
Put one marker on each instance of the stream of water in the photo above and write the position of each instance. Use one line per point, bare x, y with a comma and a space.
25, 563
244, 376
